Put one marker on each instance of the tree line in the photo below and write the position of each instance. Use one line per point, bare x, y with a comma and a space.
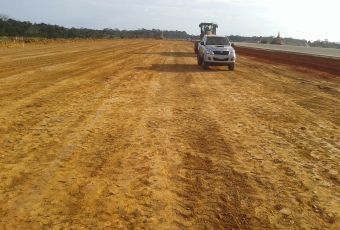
286, 41
14, 28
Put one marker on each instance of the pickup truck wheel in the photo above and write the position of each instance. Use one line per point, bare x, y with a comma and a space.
199, 60
205, 65
196, 47
231, 66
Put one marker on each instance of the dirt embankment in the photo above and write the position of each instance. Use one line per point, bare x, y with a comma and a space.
133, 134
324, 64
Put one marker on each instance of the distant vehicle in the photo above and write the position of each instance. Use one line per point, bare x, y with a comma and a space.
207, 28
216, 51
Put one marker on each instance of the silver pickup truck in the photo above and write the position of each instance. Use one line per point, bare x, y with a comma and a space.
216, 50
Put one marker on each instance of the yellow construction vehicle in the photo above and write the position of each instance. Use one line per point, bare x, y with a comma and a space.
207, 28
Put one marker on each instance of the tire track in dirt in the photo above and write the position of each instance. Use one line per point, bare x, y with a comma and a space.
295, 185
27, 62
209, 190
183, 163
41, 124
70, 148
127, 187
328, 216
88, 74
41, 78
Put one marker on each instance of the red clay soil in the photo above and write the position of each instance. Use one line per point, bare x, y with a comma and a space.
324, 64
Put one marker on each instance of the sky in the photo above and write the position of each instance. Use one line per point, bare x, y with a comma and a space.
304, 19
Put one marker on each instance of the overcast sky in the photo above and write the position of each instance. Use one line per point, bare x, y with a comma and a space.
309, 19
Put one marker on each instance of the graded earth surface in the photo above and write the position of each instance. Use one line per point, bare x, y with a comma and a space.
131, 134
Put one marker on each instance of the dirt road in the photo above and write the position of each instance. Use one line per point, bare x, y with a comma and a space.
133, 134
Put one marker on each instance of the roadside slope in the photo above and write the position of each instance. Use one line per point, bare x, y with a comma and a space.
314, 62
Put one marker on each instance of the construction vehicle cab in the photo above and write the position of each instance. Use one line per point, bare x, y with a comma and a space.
207, 28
